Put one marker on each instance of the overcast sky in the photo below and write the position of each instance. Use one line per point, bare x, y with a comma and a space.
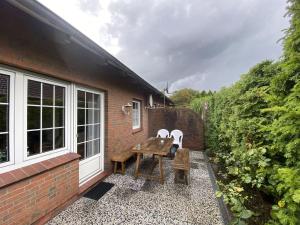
200, 44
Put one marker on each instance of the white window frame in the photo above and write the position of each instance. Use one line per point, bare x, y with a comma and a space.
66, 112
75, 89
11, 117
18, 119
136, 126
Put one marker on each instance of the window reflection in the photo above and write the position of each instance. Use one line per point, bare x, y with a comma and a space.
4, 118
43, 119
88, 128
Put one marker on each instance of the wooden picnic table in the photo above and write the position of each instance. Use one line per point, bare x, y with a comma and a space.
157, 147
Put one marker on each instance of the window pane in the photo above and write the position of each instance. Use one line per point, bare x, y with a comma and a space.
59, 96
59, 138
4, 87
96, 101
89, 100
4, 156
80, 134
59, 117
96, 131
96, 116
33, 117
89, 132
134, 112
80, 150
89, 116
80, 117
89, 149
34, 92
47, 117
47, 94
33, 142
4, 118
81, 99
47, 138
96, 146
138, 115
134, 105
134, 122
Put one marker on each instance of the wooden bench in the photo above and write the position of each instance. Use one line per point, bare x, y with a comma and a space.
121, 157
181, 162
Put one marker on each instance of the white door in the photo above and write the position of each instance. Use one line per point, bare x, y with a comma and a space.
89, 132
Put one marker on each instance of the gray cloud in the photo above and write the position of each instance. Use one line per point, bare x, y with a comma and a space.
196, 43
90, 6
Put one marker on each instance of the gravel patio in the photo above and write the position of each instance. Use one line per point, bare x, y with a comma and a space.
141, 201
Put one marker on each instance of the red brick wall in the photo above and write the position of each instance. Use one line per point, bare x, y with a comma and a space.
27, 201
120, 134
189, 122
31, 47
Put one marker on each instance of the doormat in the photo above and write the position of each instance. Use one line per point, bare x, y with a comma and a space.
98, 191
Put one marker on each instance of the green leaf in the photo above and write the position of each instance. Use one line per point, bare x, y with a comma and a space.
247, 180
281, 203
245, 214
219, 194
241, 222
296, 196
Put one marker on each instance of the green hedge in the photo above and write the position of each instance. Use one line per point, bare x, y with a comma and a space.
253, 128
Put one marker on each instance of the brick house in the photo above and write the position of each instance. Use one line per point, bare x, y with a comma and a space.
65, 105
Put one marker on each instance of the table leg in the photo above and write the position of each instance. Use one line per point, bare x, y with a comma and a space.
154, 163
123, 168
161, 170
137, 165
115, 167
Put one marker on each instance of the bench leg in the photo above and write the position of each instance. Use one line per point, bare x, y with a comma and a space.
115, 167
175, 174
123, 168
186, 177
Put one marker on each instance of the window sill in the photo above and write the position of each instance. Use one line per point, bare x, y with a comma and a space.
17, 175
137, 130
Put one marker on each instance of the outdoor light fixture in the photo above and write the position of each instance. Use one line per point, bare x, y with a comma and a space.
126, 108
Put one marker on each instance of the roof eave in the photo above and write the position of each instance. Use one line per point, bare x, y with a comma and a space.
43, 14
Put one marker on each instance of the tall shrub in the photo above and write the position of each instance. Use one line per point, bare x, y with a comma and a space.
253, 127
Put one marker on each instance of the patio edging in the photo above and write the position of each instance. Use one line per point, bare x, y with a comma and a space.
222, 206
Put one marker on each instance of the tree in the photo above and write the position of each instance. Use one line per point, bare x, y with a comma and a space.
183, 97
